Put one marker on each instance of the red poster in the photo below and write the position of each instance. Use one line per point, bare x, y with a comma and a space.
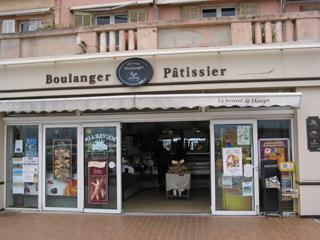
98, 182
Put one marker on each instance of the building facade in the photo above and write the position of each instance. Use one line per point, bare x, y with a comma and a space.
89, 88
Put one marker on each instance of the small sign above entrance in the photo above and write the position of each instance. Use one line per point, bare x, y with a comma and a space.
134, 72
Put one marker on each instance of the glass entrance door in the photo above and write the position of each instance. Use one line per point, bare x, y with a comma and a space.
102, 173
235, 180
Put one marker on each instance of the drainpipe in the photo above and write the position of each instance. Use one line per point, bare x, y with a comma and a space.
156, 9
282, 6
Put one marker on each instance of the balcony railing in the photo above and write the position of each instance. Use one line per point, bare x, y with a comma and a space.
210, 32
118, 40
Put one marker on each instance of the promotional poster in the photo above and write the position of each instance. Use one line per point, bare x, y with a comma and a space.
31, 147
98, 182
274, 149
232, 161
243, 135
57, 187
30, 169
62, 153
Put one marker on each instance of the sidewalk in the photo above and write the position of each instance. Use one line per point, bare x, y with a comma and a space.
53, 226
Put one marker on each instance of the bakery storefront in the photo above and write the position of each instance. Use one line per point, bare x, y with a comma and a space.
154, 133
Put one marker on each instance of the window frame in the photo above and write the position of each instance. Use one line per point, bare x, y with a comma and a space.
30, 21
219, 10
112, 18
3, 27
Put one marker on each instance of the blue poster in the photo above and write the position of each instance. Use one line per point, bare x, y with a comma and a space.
31, 147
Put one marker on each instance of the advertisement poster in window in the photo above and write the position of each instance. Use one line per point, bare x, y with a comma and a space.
62, 154
17, 176
232, 161
31, 147
247, 189
98, 182
30, 169
57, 187
274, 149
243, 135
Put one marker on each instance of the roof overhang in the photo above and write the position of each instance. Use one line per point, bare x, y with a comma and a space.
32, 11
152, 101
108, 6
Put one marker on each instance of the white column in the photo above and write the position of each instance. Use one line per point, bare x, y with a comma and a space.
122, 40
131, 39
103, 42
257, 33
268, 32
112, 41
278, 32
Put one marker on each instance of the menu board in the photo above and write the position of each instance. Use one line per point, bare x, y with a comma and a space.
62, 154
313, 134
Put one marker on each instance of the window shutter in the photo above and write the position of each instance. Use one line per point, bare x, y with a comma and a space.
83, 19
248, 8
87, 20
133, 16
138, 15
195, 13
185, 13
190, 12
142, 15
8, 26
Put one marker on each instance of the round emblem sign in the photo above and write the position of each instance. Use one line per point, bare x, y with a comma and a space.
134, 72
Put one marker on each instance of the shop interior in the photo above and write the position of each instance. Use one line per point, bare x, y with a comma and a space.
158, 156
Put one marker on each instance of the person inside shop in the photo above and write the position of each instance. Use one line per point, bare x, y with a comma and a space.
163, 161
179, 151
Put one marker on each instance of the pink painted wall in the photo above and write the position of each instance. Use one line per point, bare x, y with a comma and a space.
169, 12
292, 8
268, 7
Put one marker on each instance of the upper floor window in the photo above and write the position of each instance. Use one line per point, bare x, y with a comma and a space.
133, 15
209, 12
218, 12
112, 19
31, 25
196, 12
228, 11
8, 26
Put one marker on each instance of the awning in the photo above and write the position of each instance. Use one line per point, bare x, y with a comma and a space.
156, 101
108, 6
32, 11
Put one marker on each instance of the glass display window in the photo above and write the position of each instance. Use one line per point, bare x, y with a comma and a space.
61, 168
275, 143
22, 167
